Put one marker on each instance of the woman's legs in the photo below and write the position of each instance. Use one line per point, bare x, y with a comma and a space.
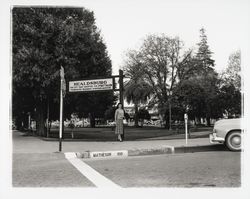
119, 137
119, 129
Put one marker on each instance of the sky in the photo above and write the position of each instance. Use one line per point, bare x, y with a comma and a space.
124, 24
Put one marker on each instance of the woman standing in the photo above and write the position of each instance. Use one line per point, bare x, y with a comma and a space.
119, 115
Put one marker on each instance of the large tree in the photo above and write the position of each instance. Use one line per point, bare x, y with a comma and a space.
206, 75
204, 54
197, 89
230, 88
136, 90
46, 38
232, 74
230, 101
160, 58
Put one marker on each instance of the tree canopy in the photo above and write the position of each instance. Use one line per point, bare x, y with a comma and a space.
186, 77
46, 38
230, 88
232, 74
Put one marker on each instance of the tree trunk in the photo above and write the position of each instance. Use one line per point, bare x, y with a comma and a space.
136, 115
40, 118
208, 121
22, 121
142, 122
197, 120
92, 120
166, 118
20, 124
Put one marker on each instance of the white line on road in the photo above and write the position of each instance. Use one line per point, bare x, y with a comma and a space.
95, 177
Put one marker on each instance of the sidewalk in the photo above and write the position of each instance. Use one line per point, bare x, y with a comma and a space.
30, 144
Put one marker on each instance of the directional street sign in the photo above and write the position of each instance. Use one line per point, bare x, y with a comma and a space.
91, 85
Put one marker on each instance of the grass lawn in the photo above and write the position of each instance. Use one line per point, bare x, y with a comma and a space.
131, 133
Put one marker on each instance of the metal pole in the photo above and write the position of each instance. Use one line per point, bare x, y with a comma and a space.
121, 93
61, 117
48, 119
121, 86
170, 127
186, 127
29, 121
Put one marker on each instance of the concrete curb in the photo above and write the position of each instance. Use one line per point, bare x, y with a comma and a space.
151, 151
200, 148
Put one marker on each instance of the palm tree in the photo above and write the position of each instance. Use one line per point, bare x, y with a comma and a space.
137, 91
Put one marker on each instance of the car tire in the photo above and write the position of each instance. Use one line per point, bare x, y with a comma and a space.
233, 141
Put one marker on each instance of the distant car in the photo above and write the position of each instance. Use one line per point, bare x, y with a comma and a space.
55, 124
149, 122
12, 124
79, 124
111, 123
228, 132
66, 123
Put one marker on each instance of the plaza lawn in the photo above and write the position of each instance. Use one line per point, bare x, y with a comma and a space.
131, 133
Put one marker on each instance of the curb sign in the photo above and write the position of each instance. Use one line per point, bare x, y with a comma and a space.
108, 154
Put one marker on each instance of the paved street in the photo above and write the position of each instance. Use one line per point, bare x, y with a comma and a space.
203, 169
46, 170
37, 164
206, 169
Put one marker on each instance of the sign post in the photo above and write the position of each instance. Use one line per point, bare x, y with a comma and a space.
186, 127
29, 120
62, 93
99, 84
121, 94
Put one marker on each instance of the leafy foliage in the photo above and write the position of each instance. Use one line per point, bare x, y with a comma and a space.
191, 78
136, 90
230, 89
110, 113
232, 73
204, 54
159, 62
230, 100
143, 114
44, 39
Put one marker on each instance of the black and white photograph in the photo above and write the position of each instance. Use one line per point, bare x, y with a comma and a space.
117, 96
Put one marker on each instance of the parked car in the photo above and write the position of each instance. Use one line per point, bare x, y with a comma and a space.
228, 132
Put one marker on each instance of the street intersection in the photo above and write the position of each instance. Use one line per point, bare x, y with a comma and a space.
37, 163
